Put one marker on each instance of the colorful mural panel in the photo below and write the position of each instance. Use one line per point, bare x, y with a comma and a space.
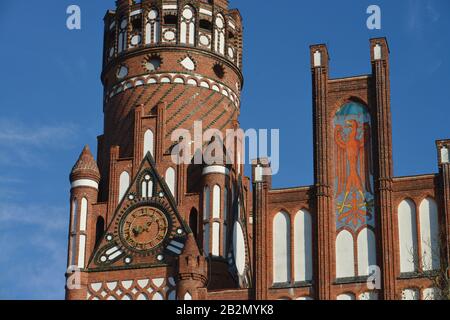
353, 184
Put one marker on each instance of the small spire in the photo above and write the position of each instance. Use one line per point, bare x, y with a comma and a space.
191, 247
86, 167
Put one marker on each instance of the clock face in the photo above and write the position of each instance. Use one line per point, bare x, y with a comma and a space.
144, 228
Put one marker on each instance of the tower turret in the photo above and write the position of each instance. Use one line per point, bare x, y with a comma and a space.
84, 179
192, 271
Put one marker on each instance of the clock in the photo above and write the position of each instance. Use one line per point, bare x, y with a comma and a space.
144, 229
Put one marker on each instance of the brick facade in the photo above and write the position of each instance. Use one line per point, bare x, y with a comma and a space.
158, 78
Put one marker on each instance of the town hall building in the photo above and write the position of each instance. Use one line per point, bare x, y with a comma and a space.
145, 228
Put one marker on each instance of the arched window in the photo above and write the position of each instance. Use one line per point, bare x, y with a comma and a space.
303, 263
206, 204
281, 248
149, 143
152, 27
193, 222
147, 186
123, 35
187, 31
216, 202
74, 215
345, 258
171, 181
219, 34
83, 214
429, 235
99, 230
407, 231
124, 184
366, 251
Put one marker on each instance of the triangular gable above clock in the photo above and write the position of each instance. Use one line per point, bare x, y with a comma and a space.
150, 195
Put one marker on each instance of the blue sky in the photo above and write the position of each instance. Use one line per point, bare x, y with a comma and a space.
51, 104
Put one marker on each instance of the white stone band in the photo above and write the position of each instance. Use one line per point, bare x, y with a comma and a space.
216, 169
84, 183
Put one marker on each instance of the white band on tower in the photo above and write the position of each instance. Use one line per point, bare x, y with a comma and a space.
84, 183
216, 169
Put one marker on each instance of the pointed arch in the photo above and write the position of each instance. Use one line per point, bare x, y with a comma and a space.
74, 215
216, 202
429, 235
303, 263
149, 143
366, 251
281, 248
171, 181
407, 231
124, 184
206, 203
83, 214
345, 258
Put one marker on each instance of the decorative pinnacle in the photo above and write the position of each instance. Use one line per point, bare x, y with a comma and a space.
86, 167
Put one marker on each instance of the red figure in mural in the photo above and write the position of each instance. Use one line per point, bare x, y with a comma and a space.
353, 170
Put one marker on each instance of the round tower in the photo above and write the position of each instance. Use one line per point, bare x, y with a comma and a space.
185, 55
84, 179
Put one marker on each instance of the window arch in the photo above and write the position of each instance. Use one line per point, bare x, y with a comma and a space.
345, 258
407, 231
171, 181
366, 251
124, 184
187, 27
146, 186
219, 34
303, 264
149, 143
74, 215
152, 27
429, 235
206, 205
281, 248
83, 214
216, 202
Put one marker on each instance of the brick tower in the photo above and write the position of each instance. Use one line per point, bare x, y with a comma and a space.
143, 226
